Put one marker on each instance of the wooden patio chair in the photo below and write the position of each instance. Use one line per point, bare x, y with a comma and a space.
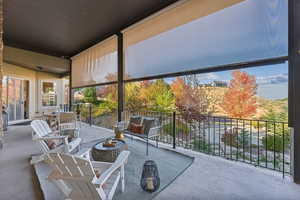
79, 178
44, 135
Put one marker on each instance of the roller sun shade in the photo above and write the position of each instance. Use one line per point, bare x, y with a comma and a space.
177, 15
95, 65
197, 34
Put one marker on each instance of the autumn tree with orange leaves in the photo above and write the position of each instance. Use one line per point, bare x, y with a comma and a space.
189, 100
240, 99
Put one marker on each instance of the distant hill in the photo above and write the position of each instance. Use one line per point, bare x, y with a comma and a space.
264, 105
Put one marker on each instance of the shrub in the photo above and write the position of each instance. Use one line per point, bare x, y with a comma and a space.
181, 128
276, 142
236, 138
202, 146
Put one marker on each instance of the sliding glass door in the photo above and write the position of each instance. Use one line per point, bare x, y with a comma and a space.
13, 98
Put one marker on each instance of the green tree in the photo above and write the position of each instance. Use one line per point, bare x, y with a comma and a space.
164, 101
132, 92
156, 95
90, 95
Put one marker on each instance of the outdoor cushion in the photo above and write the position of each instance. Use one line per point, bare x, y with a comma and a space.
134, 120
136, 128
52, 144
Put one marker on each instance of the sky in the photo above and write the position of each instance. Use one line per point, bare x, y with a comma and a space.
251, 30
272, 80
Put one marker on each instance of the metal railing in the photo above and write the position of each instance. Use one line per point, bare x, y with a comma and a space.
257, 142
92, 114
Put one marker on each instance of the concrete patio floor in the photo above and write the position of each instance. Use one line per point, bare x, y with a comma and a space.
17, 179
214, 178
208, 178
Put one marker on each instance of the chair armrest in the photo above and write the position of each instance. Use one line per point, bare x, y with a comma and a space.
97, 164
63, 138
84, 153
51, 138
154, 131
121, 160
54, 133
102, 166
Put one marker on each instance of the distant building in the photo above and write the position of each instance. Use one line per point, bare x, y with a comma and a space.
219, 84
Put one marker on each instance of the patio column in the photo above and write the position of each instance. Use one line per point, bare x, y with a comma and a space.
70, 86
294, 84
120, 76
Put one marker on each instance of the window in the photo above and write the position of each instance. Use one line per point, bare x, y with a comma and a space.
49, 96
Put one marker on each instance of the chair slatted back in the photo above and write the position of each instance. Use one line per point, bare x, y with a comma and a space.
41, 129
77, 173
67, 120
67, 117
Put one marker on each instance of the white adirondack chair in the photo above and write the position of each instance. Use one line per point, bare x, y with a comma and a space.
75, 176
42, 133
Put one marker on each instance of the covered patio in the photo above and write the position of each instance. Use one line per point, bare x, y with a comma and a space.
157, 72
207, 177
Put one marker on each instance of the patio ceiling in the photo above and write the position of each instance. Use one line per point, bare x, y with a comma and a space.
64, 28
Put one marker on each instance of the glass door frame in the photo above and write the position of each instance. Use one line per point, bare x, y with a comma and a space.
6, 79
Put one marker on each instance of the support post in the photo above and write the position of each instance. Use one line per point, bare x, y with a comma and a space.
70, 87
120, 76
294, 81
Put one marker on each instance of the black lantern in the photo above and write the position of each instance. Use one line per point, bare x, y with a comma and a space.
150, 180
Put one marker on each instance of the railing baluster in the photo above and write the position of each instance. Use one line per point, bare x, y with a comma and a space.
174, 130
251, 141
258, 143
243, 140
225, 130
219, 137
230, 138
266, 147
274, 147
90, 114
237, 139
214, 135
208, 144
283, 152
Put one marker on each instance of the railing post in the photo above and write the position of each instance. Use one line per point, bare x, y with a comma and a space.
90, 114
174, 129
77, 109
